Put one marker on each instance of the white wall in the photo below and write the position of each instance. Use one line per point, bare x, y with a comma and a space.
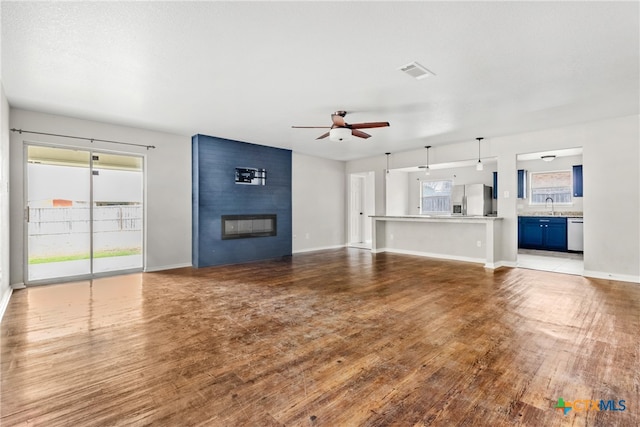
5, 283
440, 240
319, 207
397, 193
611, 204
168, 182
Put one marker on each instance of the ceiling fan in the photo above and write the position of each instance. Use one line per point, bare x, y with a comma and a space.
341, 130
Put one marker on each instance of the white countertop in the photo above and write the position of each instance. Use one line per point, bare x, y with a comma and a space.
436, 218
565, 214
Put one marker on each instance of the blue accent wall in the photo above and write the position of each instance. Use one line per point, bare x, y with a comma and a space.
215, 193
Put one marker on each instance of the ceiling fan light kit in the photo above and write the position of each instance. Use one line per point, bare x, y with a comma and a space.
340, 134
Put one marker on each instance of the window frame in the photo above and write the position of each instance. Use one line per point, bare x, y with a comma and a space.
448, 211
568, 192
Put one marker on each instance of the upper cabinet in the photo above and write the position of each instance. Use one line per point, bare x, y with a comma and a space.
577, 181
522, 184
495, 185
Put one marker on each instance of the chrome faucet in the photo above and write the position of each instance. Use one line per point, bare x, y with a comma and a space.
545, 204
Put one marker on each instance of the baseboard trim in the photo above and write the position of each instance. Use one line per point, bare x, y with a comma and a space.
511, 264
499, 264
611, 276
4, 302
433, 255
321, 248
167, 267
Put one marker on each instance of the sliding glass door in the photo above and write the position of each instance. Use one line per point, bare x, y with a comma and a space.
84, 213
117, 212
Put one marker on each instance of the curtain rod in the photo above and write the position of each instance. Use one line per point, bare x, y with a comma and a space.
20, 131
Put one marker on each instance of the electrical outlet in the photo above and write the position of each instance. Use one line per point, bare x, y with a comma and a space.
479, 243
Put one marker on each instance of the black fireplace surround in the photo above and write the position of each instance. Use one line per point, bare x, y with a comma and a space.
245, 226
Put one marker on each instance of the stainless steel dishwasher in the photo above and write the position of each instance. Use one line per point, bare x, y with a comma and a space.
575, 234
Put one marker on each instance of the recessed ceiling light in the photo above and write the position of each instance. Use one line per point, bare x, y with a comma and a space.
416, 71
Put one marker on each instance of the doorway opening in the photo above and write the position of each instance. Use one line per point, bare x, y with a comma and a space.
361, 207
550, 211
84, 213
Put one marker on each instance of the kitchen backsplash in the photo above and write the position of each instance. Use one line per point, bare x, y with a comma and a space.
548, 213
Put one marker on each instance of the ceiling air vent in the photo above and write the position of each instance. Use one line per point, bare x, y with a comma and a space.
416, 71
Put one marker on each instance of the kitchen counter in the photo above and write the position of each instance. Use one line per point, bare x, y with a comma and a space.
463, 238
567, 214
439, 218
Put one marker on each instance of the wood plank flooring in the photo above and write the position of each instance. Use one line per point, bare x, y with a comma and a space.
330, 338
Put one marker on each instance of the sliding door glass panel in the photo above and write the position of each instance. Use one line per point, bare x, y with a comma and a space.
58, 213
117, 212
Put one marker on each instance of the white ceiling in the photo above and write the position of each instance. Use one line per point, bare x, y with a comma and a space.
250, 70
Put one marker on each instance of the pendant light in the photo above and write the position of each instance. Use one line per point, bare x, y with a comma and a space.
426, 169
387, 161
479, 166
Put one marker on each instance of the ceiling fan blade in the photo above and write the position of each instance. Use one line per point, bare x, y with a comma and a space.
311, 127
338, 121
324, 135
369, 125
359, 133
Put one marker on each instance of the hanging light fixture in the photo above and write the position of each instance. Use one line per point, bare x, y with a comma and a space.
387, 161
426, 168
479, 166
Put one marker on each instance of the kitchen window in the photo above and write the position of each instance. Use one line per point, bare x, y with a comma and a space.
557, 185
435, 197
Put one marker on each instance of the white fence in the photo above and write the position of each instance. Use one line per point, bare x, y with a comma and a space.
71, 220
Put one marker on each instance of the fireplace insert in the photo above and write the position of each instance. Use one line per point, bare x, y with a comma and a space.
244, 226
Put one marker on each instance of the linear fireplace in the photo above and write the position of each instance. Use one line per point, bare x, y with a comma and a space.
244, 226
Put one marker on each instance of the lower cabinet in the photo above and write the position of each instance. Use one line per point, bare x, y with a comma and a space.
546, 233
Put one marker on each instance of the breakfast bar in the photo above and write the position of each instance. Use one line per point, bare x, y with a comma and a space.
463, 238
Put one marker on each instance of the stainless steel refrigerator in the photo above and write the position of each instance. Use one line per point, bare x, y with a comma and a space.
471, 199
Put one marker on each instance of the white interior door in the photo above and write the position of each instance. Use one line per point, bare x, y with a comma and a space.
357, 214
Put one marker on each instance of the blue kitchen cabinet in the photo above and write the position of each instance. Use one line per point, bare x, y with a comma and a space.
531, 234
495, 185
546, 233
522, 184
577, 181
556, 235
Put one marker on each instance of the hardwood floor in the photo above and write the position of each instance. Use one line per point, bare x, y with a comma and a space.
331, 338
